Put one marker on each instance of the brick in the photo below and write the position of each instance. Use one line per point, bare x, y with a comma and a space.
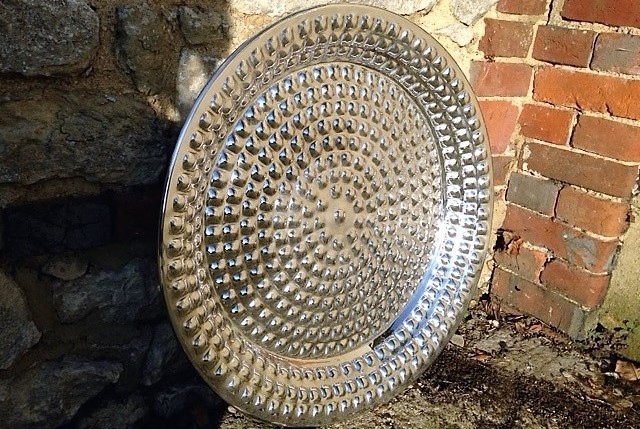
584, 170
561, 45
506, 38
604, 217
608, 138
545, 123
564, 241
500, 119
617, 52
522, 7
547, 306
500, 79
501, 164
532, 192
588, 91
610, 12
527, 263
586, 288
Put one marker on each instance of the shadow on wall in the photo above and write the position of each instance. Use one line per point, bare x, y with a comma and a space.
94, 100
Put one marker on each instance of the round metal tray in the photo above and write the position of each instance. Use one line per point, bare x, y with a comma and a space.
326, 215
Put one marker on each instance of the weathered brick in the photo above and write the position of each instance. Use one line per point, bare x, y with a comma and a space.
586, 288
608, 138
564, 241
506, 38
545, 123
547, 306
527, 263
561, 45
617, 52
522, 7
610, 12
500, 79
501, 166
591, 213
500, 120
532, 192
584, 170
588, 91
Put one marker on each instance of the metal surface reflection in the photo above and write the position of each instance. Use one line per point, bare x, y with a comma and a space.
326, 215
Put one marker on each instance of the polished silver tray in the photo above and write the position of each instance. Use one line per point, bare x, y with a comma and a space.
326, 215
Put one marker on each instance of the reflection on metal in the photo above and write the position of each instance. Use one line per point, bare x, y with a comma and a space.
326, 215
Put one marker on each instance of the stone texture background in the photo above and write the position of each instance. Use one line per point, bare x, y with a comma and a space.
92, 97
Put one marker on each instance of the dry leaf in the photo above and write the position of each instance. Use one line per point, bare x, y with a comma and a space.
624, 403
457, 340
535, 328
627, 370
594, 384
482, 357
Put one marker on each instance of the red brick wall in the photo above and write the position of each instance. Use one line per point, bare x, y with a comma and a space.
559, 88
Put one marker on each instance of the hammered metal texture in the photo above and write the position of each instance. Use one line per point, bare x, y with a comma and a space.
326, 215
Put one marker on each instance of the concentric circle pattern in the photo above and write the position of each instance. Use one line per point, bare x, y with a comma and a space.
326, 215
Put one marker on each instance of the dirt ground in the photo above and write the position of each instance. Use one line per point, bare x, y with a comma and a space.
508, 371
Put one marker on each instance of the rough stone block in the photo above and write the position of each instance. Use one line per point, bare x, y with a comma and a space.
115, 414
199, 26
136, 296
47, 37
461, 34
65, 267
469, 11
172, 400
113, 140
194, 70
144, 47
50, 393
19, 333
164, 356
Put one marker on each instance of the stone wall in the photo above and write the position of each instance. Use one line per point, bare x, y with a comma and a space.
92, 96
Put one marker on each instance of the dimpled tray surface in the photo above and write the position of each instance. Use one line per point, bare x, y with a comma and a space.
326, 215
